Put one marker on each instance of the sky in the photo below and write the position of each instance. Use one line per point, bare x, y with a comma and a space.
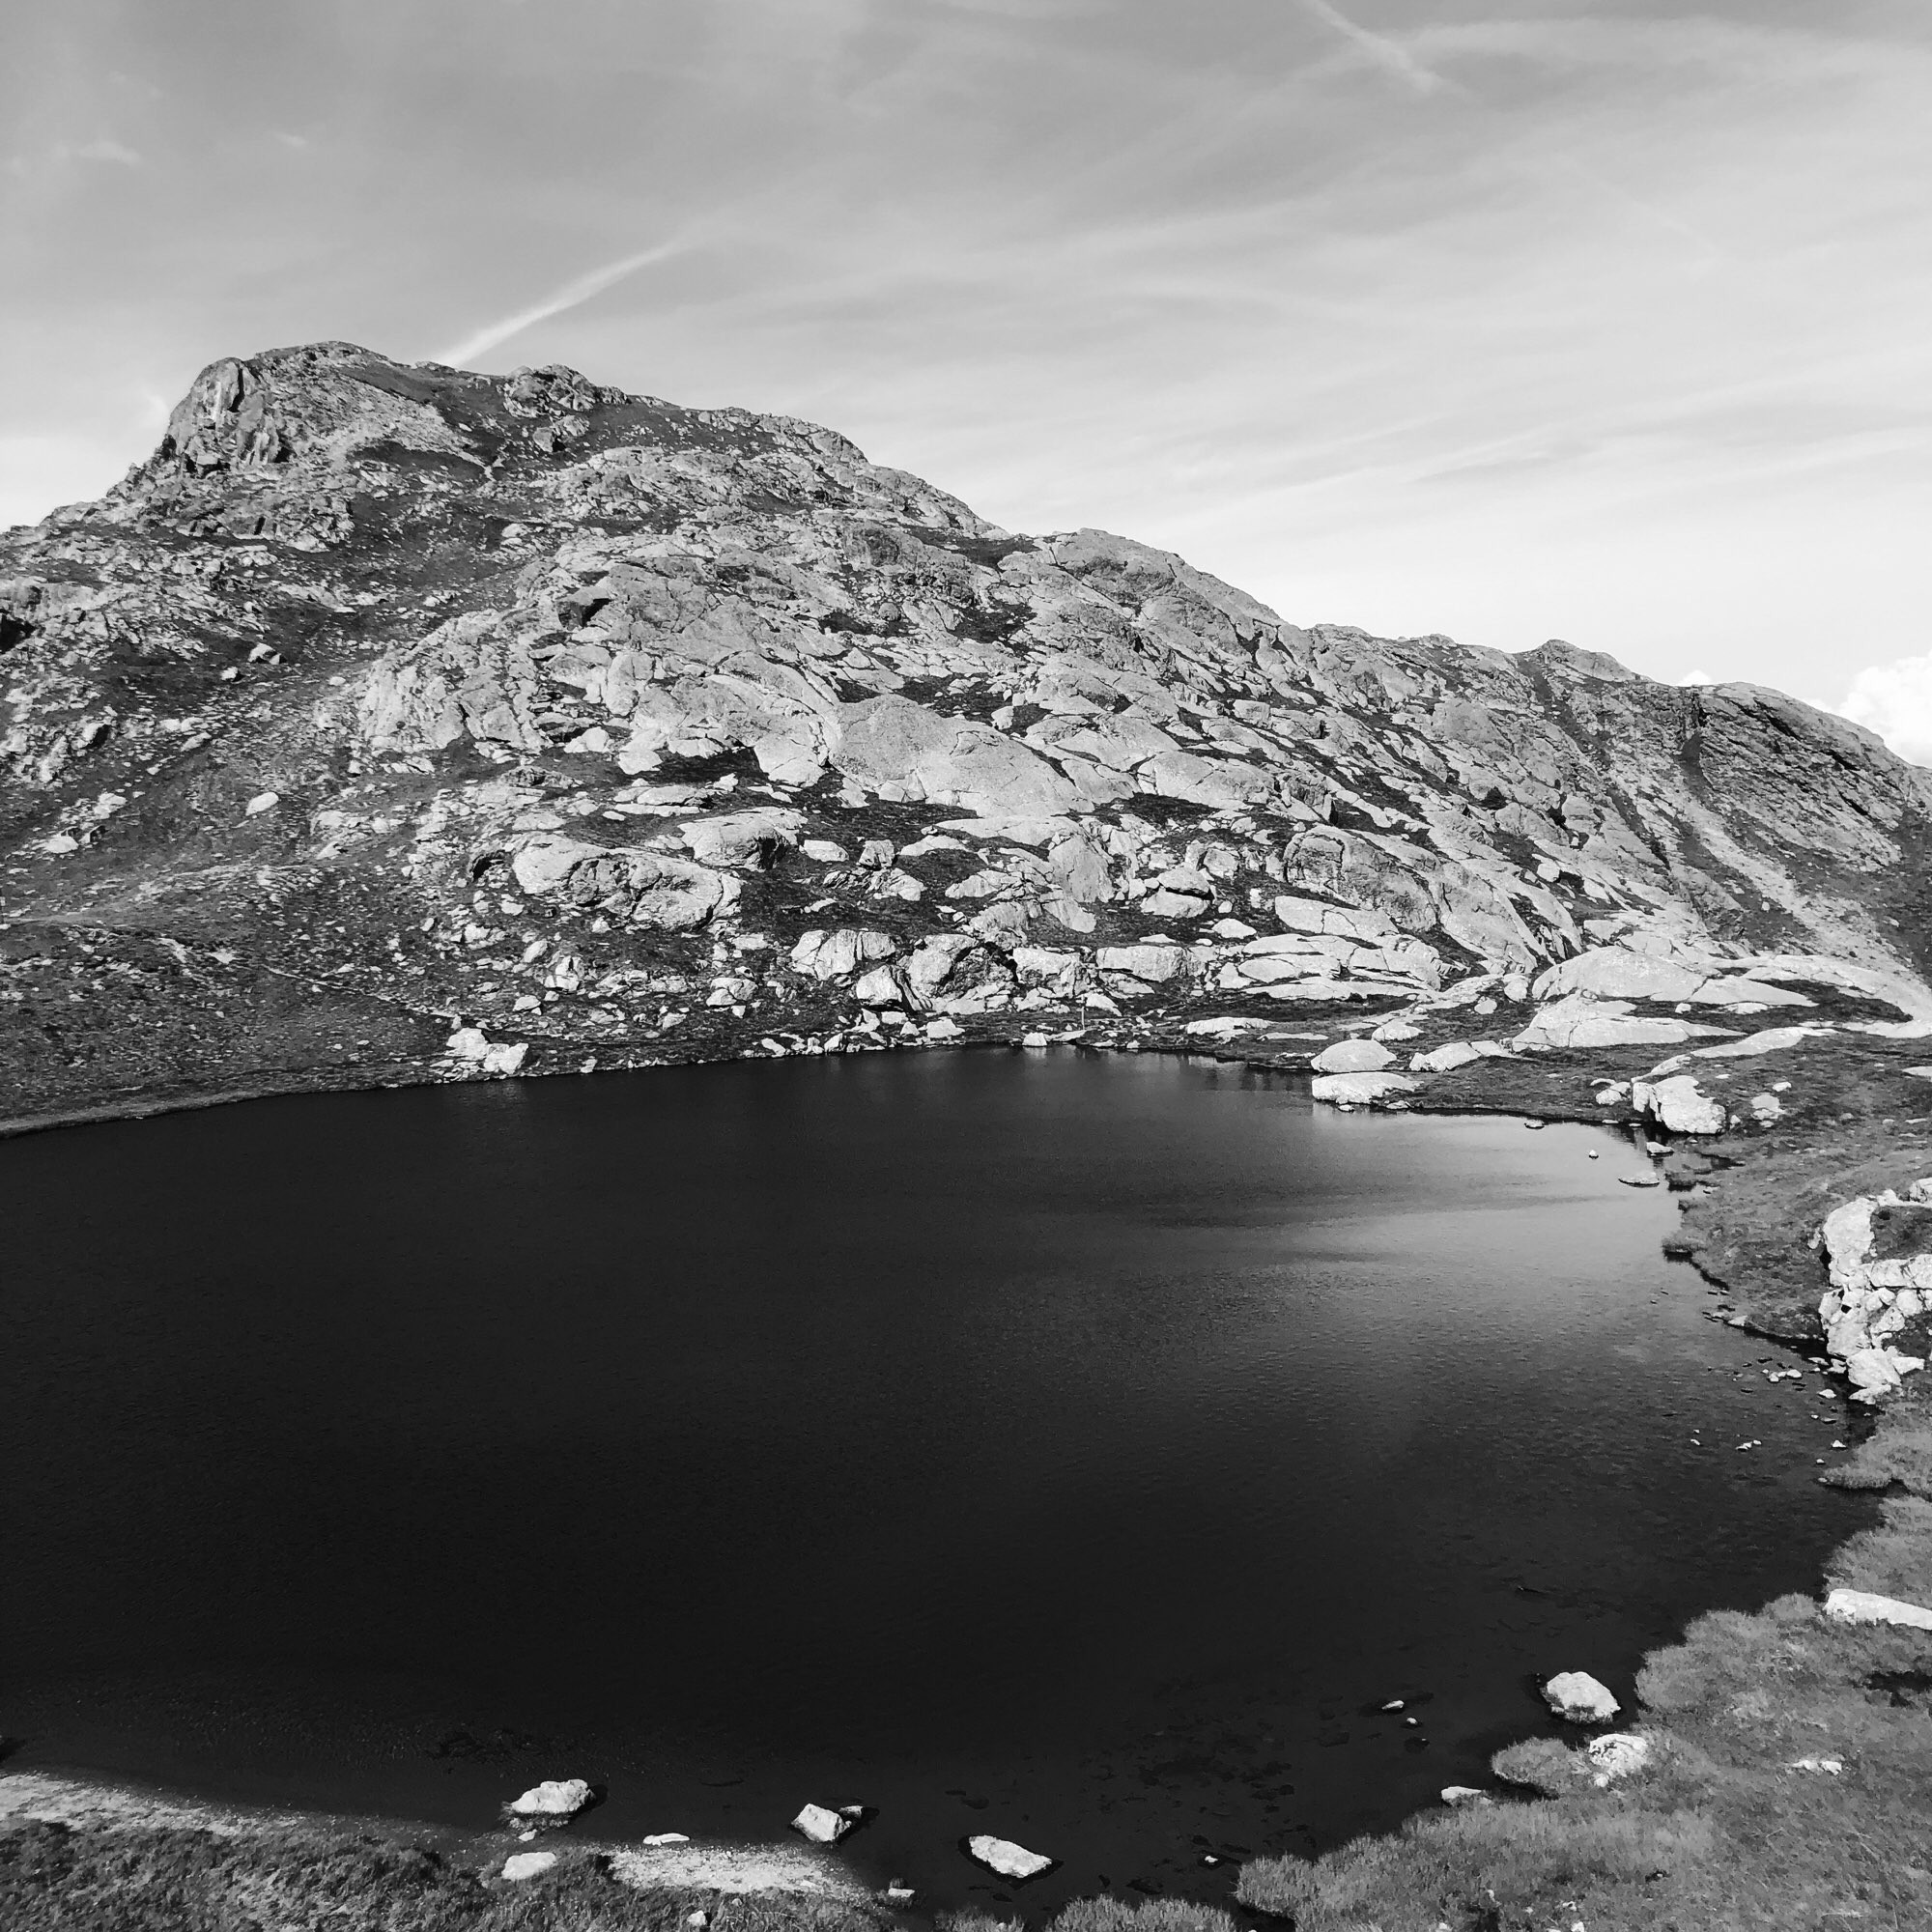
1607, 322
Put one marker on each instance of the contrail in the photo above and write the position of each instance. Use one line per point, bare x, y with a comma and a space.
1387, 54
481, 341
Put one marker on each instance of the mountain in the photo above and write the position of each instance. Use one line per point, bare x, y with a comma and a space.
396, 723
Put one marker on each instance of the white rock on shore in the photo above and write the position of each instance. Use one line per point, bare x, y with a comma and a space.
1358, 1090
1618, 1755
1679, 1104
527, 1864
1354, 1056
1861, 1606
1868, 1301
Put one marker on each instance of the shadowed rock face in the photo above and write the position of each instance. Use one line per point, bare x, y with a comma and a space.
583, 713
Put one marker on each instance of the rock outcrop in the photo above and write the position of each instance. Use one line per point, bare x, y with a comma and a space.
393, 722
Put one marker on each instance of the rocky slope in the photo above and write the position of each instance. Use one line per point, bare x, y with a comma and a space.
393, 721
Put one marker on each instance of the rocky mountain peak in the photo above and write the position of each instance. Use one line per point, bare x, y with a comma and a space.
631, 729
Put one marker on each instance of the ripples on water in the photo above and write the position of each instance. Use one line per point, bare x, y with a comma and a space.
1061, 1446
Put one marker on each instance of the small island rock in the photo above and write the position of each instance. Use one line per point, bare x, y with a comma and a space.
1577, 1695
1008, 1860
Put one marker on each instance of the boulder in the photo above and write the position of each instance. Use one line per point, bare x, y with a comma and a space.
1577, 1695
824, 1826
1679, 1105
1612, 973
1861, 1606
1151, 962
527, 1864
838, 954
554, 1800
1618, 1755
1008, 1860
1581, 1021
742, 838
1465, 1794
473, 1045
1359, 1090
1354, 1056
645, 888
1446, 1059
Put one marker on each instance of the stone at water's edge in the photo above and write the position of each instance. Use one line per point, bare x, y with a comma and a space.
1577, 1695
1354, 1056
824, 1826
1008, 1860
555, 1798
1361, 1090
1679, 1105
1861, 1606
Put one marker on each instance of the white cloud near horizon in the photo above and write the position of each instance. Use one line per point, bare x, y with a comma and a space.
580, 289
1896, 701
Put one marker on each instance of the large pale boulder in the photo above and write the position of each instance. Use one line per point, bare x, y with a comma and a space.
835, 955
1580, 1020
1151, 962
824, 1826
1679, 1105
553, 1799
1577, 1695
1862, 1607
1354, 1056
742, 838
903, 750
645, 888
1612, 973
520, 1865
1306, 915
1618, 1755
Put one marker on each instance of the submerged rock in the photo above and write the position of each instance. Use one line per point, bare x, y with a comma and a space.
1008, 1860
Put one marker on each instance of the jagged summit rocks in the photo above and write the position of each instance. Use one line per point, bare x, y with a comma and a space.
600, 730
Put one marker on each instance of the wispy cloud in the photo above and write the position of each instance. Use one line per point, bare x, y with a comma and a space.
571, 295
1389, 55
106, 149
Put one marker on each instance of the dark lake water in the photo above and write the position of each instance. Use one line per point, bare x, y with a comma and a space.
1062, 1446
